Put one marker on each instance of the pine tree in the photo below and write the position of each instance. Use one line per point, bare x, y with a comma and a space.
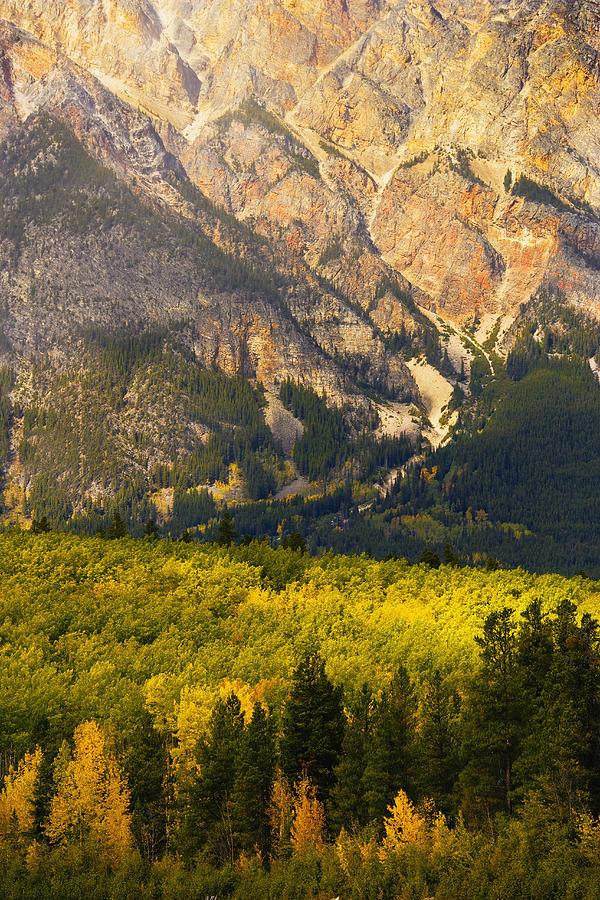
493, 719
208, 819
146, 765
349, 807
151, 529
568, 721
254, 782
437, 749
227, 532
388, 766
313, 727
40, 526
117, 528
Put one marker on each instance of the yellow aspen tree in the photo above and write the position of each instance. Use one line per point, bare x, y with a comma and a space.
281, 812
92, 796
404, 826
309, 819
588, 830
17, 799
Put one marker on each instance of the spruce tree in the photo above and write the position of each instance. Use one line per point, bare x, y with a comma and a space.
254, 781
493, 719
388, 766
348, 803
117, 528
313, 726
227, 532
207, 814
437, 748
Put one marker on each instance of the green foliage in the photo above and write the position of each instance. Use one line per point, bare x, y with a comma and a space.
523, 357
326, 442
537, 193
313, 726
227, 532
505, 470
178, 650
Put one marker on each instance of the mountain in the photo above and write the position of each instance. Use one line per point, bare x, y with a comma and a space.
367, 198
408, 117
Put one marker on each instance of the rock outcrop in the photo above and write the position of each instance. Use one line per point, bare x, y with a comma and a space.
451, 146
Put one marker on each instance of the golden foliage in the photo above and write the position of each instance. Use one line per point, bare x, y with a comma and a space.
309, 819
17, 799
404, 827
91, 796
588, 830
281, 812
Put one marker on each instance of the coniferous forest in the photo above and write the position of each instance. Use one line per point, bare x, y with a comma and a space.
185, 720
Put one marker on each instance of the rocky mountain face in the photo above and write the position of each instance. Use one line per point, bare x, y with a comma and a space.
405, 136
125, 140
296, 185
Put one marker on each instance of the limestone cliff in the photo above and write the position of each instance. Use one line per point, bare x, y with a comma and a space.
451, 146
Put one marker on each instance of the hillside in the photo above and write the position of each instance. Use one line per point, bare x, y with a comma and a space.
359, 197
115, 315
185, 672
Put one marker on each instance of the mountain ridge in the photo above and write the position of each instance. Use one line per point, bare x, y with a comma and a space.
360, 197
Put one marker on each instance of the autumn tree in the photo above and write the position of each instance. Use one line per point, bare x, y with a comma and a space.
17, 800
404, 826
281, 815
309, 819
91, 797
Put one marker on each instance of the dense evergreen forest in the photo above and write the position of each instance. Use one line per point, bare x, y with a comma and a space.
518, 483
491, 495
328, 447
192, 720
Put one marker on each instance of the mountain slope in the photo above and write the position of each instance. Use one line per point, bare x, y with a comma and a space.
279, 191
474, 90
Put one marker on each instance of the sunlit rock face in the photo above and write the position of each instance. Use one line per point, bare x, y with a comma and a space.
367, 139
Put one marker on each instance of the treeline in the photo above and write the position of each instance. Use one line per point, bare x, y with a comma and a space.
195, 424
327, 445
6, 412
207, 748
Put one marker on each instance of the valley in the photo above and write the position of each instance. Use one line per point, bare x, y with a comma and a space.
299, 460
